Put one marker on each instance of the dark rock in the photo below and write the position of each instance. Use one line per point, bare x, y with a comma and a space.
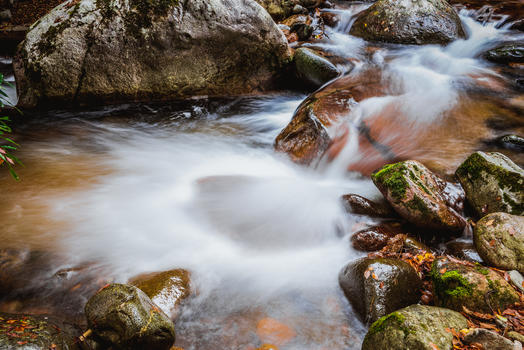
5, 16
488, 339
416, 194
499, 238
478, 288
513, 142
464, 250
27, 332
376, 237
493, 183
512, 53
173, 49
314, 69
301, 25
409, 22
124, 317
376, 287
415, 327
166, 289
353, 203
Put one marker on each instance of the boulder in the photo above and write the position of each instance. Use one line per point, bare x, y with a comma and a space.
171, 49
418, 195
28, 332
493, 183
314, 69
355, 204
499, 238
415, 327
478, 288
409, 22
510, 53
166, 289
122, 316
488, 339
377, 287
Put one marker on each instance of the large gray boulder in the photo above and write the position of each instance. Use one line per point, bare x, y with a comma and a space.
493, 183
409, 22
415, 327
499, 239
128, 50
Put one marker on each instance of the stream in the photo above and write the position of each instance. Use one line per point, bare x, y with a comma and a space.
111, 192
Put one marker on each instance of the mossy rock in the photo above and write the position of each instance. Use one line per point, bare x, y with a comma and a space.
493, 183
376, 287
415, 327
166, 289
418, 195
29, 332
409, 22
477, 288
511, 53
123, 317
314, 69
499, 238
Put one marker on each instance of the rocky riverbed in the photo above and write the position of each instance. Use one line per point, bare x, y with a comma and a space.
241, 174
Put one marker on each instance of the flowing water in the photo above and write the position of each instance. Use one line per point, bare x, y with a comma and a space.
122, 190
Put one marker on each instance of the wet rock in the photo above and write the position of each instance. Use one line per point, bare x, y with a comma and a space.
275, 332
166, 289
353, 203
493, 183
329, 18
513, 142
512, 53
376, 237
464, 250
377, 287
301, 25
517, 280
74, 54
475, 287
314, 69
28, 332
415, 327
417, 195
298, 9
409, 22
499, 238
5, 16
124, 317
488, 339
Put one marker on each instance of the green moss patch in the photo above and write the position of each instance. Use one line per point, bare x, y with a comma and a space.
381, 324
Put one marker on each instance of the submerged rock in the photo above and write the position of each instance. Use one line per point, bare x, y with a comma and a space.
376, 287
417, 195
493, 183
415, 327
27, 332
409, 22
499, 238
475, 287
314, 69
166, 289
124, 317
353, 203
511, 53
172, 49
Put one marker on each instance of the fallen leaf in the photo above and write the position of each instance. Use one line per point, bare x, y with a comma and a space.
489, 222
443, 271
433, 346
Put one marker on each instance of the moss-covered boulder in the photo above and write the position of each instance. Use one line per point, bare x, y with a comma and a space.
122, 316
476, 287
26, 332
418, 195
171, 49
415, 327
314, 69
166, 289
409, 22
493, 183
376, 287
499, 238
511, 53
